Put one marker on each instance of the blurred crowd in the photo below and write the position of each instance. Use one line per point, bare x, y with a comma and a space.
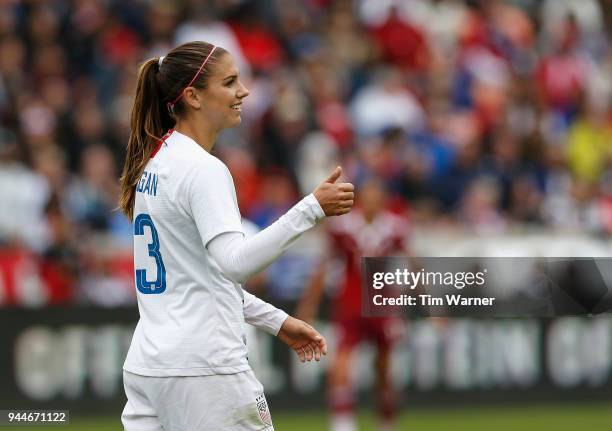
479, 115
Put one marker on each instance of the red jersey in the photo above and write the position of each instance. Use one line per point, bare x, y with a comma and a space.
353, 238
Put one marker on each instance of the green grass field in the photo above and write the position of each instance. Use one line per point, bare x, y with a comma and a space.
549, 418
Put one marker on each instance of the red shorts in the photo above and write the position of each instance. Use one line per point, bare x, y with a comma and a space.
382, 331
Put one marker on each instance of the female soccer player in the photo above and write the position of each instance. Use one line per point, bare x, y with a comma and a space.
186, 368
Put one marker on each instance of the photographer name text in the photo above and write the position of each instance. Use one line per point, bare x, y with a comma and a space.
429, 300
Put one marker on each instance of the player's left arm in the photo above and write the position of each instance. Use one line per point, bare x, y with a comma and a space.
306, 341
262, 315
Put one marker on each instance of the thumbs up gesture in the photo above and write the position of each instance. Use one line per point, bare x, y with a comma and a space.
335, 198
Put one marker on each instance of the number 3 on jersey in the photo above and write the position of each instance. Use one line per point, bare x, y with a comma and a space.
142, 284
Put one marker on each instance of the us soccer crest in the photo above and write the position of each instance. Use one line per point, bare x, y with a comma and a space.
264, 412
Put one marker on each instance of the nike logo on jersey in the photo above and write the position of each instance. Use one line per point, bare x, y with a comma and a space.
147, 184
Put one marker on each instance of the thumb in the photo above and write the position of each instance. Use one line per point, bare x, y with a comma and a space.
334, 175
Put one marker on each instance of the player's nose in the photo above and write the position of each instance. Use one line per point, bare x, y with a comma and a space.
242, 90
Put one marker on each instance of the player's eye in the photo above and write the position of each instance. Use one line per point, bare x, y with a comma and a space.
230, 82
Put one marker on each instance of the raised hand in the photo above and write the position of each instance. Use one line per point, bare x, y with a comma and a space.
335, 198
303, 339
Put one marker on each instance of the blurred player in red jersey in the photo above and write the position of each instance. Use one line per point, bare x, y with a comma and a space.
370, 231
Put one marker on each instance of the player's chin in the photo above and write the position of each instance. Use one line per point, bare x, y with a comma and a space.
234, 120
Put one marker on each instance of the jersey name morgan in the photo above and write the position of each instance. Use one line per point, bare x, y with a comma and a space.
147, 184
191, 315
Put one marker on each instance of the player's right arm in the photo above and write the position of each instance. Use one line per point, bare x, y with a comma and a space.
240, 257
210, 199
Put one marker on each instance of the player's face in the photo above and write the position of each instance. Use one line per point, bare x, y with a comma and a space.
222, 99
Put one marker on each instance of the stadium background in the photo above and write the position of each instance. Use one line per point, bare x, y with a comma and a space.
489, 121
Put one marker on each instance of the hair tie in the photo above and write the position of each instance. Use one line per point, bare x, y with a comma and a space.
161, 60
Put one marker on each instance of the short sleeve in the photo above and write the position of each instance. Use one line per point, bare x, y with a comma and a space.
211, 198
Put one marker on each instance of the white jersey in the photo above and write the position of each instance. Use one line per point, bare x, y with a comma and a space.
191, 315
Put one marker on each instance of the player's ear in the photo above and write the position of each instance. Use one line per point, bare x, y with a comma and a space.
192, 98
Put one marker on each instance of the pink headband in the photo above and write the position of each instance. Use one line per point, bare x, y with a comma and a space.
170, 105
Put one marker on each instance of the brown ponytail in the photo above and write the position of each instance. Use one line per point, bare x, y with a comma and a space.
157, 85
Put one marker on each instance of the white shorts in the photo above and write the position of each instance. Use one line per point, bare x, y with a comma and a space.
223, 402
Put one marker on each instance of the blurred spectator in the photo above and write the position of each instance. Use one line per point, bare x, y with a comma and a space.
161, 22
563, 74
246, 178
588, 14
385, 103
572, 205
444, 19
589, 143
12, 66
317, 155
50, 162
526, 201
430, 153
277, 196
93, 195
401, 43
107, 277
479, 207
260, 46
25, 193
285, 123
328, 93
347, 41
296, 29
59, 266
